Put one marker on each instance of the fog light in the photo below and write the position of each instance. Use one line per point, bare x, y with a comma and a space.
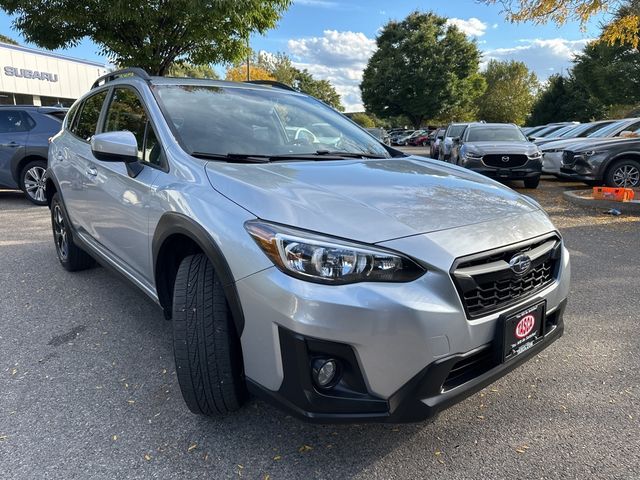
324, 372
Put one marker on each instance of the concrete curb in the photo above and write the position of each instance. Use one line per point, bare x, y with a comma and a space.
583, 199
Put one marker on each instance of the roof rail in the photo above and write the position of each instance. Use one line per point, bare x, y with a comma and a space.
109, 77
273, 83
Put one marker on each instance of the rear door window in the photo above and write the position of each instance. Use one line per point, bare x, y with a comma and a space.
87, 120
13, 121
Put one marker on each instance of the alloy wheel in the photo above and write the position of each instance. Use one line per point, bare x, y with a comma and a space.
35, 183
626, 176
60, 233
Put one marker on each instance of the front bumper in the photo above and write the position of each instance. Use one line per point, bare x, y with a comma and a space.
438, 386
400, 339
531, 169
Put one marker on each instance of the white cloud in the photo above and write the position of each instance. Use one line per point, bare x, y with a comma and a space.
339, 57
472, 27
543, 56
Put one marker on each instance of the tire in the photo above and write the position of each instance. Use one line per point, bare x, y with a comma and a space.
71, 257
623, 173
32, 182
206, 346
532, 182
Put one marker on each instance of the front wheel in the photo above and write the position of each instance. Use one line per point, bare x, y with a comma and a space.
206, 346
71, 257
532, 182
624, 173
33, 183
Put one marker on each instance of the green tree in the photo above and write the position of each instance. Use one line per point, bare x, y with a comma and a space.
152, 34
511, 90
5, 39
422, 68
564, 99
281, 68
182, 69
609, 73
625, 27
363, 120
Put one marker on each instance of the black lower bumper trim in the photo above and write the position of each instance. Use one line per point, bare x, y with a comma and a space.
426, 394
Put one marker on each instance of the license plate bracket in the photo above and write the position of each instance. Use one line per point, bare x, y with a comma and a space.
521, 330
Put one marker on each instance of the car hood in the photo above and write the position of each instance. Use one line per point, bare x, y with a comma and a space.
366, 200
488, 148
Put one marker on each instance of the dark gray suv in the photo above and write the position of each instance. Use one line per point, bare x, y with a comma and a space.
24, 141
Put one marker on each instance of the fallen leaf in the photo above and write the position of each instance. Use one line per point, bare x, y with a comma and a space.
3, 438
147, 457
114, 437
277, 457
438, 453
266, 477
481, 417
305, 448
14, 371
441, 461
192, 447
131, 402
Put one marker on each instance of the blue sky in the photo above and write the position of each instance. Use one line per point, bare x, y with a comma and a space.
334, 38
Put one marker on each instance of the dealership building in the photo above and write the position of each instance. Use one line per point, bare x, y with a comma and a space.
35, 77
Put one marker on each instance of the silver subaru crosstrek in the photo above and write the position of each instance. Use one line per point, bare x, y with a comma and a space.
298, 258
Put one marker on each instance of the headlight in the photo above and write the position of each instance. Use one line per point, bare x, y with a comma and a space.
535, 155
590, 153
321, 259
472, 156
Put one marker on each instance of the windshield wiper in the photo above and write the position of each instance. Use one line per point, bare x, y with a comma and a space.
232, 157
338, 153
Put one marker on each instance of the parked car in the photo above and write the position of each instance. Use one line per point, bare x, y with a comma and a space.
434, 148
397, 135
380, 134
24, 141
420, 140
355, 284
550, 129
614, 162
452, 134
579, 131
403, 139
499, 150
552, 151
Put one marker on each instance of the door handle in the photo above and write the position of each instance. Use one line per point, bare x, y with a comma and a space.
92, 172
10, 145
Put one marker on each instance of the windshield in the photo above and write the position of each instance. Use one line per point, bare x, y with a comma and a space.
607, 131
214, 120
456, 130
562, 132
495, 134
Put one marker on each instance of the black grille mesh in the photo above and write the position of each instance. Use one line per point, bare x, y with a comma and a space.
497, 160
486, 293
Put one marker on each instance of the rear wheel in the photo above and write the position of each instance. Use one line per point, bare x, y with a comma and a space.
532, 182
624, 173
32, 181
71, 257
206, 346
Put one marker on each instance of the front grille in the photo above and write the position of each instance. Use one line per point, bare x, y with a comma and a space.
505, 161
568, 158
486, 283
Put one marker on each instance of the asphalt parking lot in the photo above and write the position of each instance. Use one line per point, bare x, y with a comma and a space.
88, 386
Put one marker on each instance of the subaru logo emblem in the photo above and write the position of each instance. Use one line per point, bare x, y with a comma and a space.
505, 159
520, 264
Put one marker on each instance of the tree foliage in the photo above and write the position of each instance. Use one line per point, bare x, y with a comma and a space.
363, 120
182, 69
625, 28
604, 82
238, 73
280, 67
510, 93
152, 34
421, 69
5, 39
564, 99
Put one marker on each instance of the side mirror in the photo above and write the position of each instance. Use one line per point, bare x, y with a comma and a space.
455, 139
532, 139
117, 147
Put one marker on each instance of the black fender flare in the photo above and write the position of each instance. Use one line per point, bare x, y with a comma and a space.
172, 223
